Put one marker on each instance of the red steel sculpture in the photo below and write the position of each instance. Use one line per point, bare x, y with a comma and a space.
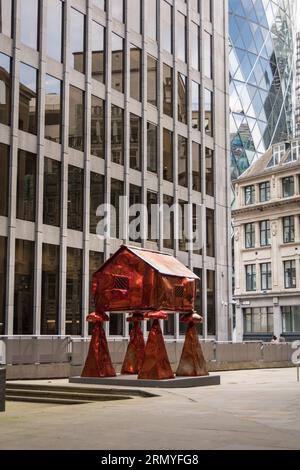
148, 286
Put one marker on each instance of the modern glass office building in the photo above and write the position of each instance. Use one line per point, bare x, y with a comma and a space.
101, 99
261, 77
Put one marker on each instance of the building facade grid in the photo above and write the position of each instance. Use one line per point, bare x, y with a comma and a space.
216, 308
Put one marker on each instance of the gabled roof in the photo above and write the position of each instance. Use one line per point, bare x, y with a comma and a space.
162, 262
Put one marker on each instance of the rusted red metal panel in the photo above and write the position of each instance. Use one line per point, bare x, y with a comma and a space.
127, 282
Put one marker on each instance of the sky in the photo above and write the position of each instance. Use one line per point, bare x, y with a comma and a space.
298, 14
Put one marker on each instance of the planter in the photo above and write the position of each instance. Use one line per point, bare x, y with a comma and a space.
2, 389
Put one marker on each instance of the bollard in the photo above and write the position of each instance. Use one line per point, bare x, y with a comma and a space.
2, 389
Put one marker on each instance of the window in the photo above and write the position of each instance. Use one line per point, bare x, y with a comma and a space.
28, 99
249, 235
278, 153
77, 41
76, 119
6, 17
291, 319
50, 290
211, 304
116, 324
166, 26
196, 160
196, 105
264, 191
168, 155
134, 15
97, 127
181, 36
135, 73
151, 15
152, 147
169, 325
4, 179
26, 192
249, 193
135, 198
24, 287
266, 276
98, 52
168, 227
265, 233
117, 191
258, 320
209, 127
152, 80
195, 40
182, 227
209, 172
182, 161
74, 292
250, 278
55, 29
3, 261
295, 152
182, 98
168, 90
210, 233
117, 135
288, 229
288, 186
117, 68
96, 199
135, 142
96, 261
29, 23
117, 9
5, 89
52, 194
290, 274
53, 112
153, 216
207, 55
75, 198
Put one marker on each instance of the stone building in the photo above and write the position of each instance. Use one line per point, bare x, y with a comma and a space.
267, 245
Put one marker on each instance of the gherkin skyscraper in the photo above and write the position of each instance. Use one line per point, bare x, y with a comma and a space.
261, 77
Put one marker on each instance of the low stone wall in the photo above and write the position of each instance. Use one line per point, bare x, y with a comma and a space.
59, 358
2, 389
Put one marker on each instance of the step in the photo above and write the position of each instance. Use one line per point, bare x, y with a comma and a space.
54, 401
24, 392
83, 389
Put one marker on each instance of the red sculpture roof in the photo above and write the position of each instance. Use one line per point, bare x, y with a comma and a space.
162, 262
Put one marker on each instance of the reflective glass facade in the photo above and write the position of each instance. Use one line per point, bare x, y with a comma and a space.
261, 77
101, 100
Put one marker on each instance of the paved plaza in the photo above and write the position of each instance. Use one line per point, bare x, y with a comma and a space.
257, 409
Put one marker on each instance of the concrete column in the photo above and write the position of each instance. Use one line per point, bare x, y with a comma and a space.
40, 172
13, 168
64, 171
239, 324
277, 320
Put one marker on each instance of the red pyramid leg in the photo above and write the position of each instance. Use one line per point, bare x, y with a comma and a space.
192, 362
156, 365
135, 352
98, 362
